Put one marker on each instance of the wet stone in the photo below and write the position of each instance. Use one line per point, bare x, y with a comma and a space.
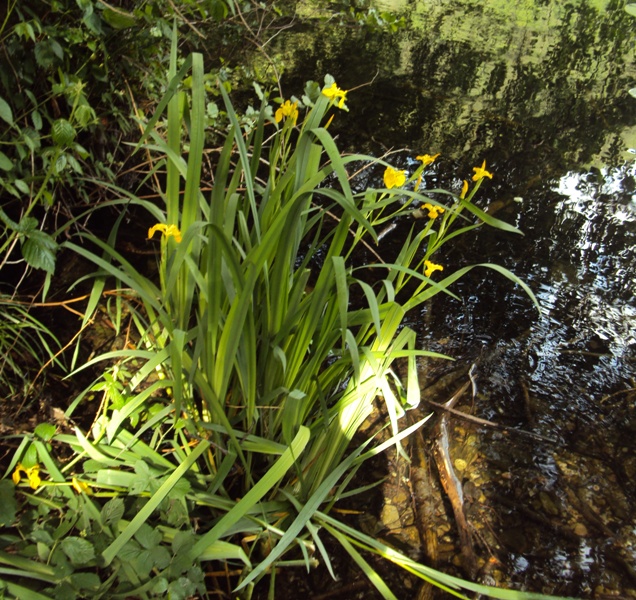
390, 516
580, 530
548, 504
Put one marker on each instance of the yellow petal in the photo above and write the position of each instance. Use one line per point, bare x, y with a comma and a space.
433, 210
155, 228
16, 474
331, 91
427, 159
79, 486
167, 230
394, 178
34, 476
431, 267
173, 231
480, 172
464, 190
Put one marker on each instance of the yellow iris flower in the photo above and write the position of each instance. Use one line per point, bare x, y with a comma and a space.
79, 486
464, 190
394, 178
431, 267
480, 172
167, 230
32, 474
427, 159
333, 92
433, 211
287, 109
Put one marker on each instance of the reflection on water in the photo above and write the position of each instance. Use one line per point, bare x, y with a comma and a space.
539, 89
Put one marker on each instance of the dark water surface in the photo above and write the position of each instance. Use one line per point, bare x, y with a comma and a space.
539, 89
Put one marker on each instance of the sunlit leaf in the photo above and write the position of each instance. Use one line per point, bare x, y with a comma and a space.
45, 431
631, 9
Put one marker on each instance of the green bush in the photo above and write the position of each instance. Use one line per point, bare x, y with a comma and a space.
272, 345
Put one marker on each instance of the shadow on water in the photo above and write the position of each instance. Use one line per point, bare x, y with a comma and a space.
539, 90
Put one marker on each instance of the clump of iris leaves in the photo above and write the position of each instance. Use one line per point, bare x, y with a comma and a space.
227, 445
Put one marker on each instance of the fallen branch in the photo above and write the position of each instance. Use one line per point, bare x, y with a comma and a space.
485, 423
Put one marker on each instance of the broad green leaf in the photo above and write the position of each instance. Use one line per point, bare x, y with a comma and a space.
631, 9
62, 133
148, 537
27, 225
6, 164
25, 30
8, 503
39, 250
84, 115
86, 581
112, 511
22, 186
45, 431
144, 514
6, 114
79, 550
48, 53
142, 479
161, 557
181, 589
60, 163
159, 587
36, 119
632, 91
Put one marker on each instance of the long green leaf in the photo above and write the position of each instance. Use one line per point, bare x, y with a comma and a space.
275, 473
425, 572
22, 593
155, 500
366, 568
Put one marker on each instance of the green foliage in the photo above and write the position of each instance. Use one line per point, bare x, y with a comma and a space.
272, 338
372, 18
59, 539
68, 69
23, 342
275, 343
631, 10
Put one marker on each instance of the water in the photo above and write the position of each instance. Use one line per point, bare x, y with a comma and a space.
539, 89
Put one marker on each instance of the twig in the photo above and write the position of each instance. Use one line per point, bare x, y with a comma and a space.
451, 484
485, 423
